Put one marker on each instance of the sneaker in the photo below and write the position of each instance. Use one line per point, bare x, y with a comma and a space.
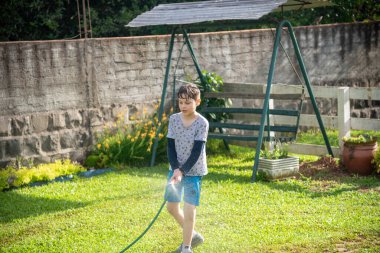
187, 250
179, 249
195, 241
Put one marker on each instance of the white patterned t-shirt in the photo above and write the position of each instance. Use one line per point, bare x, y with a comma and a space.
184, 138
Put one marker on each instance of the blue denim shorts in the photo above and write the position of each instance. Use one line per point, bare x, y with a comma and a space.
189, 187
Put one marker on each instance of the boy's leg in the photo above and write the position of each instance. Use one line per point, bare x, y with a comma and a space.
173, 195
175, 210
192, 190
189, 212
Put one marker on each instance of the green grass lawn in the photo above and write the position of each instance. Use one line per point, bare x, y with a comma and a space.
314, 136
107, 212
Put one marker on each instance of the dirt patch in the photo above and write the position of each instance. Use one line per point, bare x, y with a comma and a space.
325, 165
327, 171
358, 244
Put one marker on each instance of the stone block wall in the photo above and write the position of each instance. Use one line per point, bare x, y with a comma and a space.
55, 94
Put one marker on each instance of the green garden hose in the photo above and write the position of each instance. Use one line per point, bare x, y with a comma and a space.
146, 230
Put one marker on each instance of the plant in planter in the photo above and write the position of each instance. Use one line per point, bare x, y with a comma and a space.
277, 164
358, 153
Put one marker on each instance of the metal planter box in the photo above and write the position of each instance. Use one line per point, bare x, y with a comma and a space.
279, 168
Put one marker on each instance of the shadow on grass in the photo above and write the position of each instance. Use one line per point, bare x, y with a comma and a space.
218, 173
17, 206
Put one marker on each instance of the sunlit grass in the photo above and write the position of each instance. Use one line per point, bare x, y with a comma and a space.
314, 136
105, 213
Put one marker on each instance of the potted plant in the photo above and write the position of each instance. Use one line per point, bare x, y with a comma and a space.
358, 153
277, 164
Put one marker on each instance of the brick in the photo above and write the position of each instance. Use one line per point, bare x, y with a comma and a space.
95, 118
31, 146
83, 139
67, 140
73, 119
49, 143
2, 149
3, 163
12, 148
40, 122
5, 126
58, 121
20, 126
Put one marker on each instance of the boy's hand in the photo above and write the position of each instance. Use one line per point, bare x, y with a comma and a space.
177, 177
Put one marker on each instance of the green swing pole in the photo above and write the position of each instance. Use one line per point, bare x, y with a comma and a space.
308, 85
197, 67
266, 101
190, 48
163, 95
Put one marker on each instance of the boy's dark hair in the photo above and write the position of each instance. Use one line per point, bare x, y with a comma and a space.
189, 91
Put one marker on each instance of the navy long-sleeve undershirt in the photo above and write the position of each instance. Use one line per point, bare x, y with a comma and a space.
190, 162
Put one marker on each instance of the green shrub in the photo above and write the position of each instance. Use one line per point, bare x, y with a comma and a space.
360, 139
376, 160
15, 177
5, 177
279, 151
129, 144
213, 83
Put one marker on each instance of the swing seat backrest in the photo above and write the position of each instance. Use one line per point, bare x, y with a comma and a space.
232, 131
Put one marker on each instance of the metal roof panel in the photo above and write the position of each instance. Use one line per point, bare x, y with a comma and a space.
202, 11
196, 12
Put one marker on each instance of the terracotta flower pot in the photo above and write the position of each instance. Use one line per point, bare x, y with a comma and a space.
357, 157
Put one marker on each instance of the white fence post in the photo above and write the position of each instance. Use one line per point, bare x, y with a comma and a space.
344, 115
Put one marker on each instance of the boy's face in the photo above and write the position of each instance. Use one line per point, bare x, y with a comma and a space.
188, 105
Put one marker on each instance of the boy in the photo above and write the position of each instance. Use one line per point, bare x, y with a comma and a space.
187, 135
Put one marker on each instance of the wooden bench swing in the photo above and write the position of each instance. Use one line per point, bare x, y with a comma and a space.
265, 125
289, 131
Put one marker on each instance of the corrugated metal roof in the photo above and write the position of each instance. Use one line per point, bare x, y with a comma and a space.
202, 11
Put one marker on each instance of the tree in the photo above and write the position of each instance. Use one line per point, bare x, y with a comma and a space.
58, 19
36, 19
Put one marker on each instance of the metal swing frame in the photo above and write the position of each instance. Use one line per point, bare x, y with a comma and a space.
265, 110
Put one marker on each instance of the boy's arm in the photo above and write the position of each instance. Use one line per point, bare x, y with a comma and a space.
194, 156
172, 154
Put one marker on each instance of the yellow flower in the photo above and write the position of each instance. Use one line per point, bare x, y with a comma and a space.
107, 146
160, 136
133, 139
99, 145
118, 142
